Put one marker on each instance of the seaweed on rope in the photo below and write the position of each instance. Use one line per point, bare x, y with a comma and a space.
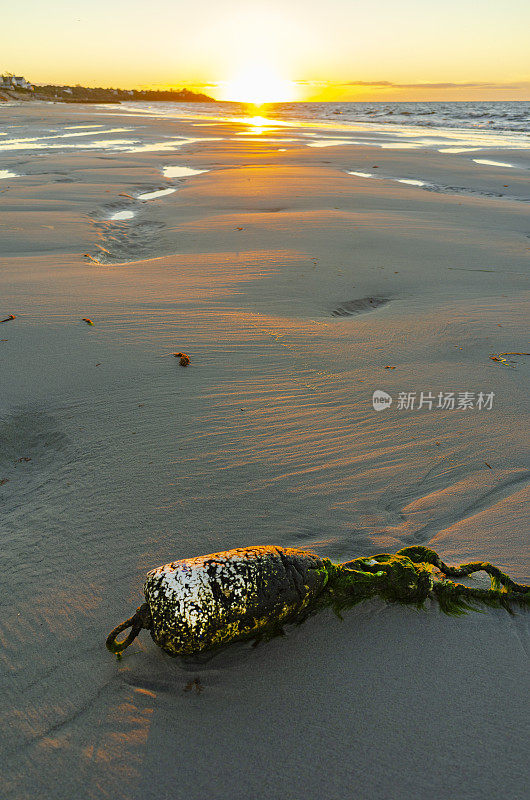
417, 573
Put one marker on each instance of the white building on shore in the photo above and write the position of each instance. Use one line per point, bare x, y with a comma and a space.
15, 82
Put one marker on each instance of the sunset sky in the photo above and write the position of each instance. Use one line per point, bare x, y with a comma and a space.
292, 49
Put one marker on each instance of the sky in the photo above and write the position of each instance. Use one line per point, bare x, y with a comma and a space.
288, 49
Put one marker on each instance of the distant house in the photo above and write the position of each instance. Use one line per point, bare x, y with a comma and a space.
14, 82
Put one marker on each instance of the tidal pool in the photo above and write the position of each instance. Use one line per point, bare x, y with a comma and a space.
181, 172
155, 194
493, 163
121, 215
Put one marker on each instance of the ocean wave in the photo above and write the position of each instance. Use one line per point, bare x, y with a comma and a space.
513, 116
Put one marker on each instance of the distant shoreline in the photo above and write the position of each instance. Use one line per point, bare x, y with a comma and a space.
83, 94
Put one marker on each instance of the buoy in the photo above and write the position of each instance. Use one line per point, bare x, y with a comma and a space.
88, 321
197, 604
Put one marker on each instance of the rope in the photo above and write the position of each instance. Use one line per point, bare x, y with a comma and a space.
140, 619
420, 555
407, 577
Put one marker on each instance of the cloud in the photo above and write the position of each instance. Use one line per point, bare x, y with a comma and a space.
391, 85
191, 82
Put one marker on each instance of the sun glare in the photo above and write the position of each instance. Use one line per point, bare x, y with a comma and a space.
258, 84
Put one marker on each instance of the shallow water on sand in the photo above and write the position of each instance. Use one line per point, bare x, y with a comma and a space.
120, 216
181, 172
442, 124
490, 163
155, 194
411, 181
439, 187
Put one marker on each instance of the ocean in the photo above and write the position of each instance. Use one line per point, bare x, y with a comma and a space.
491, 116
470, 125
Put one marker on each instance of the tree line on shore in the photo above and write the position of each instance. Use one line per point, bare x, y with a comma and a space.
87, 94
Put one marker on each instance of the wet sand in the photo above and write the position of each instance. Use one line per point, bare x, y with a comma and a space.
297, 290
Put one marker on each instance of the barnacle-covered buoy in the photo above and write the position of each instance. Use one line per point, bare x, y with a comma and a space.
200, 603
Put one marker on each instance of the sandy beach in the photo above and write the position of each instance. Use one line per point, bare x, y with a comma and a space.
297, 289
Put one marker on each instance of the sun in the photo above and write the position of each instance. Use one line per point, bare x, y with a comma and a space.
258, 84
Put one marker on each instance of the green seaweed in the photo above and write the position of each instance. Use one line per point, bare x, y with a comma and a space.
413, 575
